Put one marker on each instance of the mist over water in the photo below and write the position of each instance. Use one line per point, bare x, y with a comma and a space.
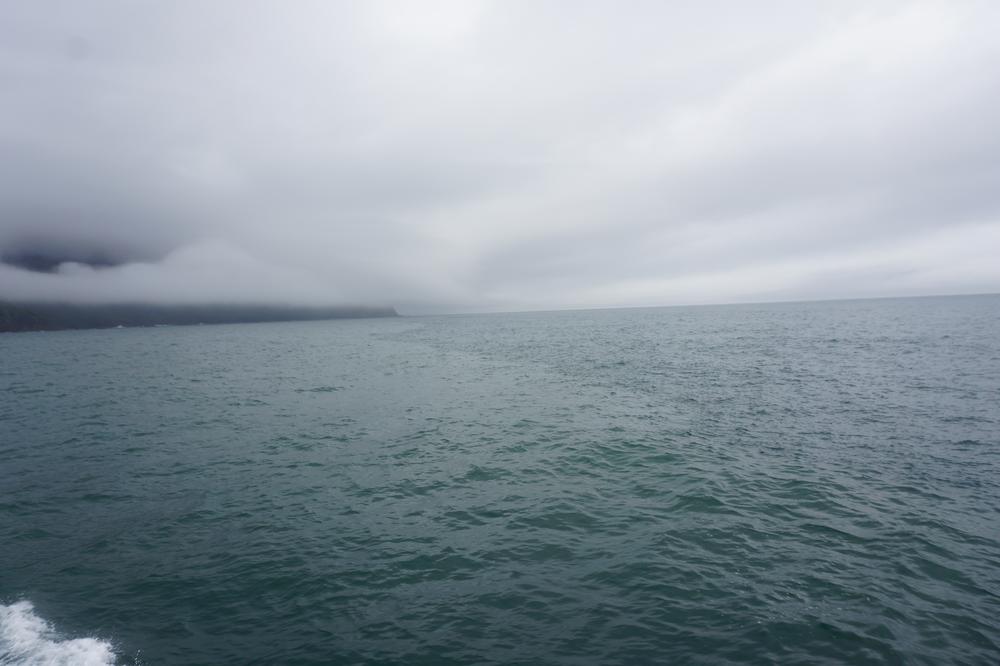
796, 483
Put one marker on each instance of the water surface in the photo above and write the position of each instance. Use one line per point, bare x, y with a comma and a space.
805, 483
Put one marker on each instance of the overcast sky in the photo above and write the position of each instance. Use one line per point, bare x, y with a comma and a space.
467, 155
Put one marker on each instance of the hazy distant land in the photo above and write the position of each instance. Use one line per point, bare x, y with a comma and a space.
60, 316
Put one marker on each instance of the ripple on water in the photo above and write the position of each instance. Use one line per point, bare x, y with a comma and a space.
753, 484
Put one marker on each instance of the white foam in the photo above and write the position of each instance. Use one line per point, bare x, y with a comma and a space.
28, 640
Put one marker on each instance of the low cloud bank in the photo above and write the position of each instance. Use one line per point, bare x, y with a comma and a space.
497, 155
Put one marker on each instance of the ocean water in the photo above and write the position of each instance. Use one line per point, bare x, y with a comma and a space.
810, 483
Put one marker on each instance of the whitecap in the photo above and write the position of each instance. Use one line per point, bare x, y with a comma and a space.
28, 640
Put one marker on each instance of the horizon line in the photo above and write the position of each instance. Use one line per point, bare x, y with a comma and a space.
701, 305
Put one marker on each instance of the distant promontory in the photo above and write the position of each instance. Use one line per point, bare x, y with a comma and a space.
60, 316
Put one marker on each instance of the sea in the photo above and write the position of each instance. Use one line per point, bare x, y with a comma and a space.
796, 483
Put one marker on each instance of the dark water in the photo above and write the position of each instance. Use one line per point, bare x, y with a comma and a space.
799, 483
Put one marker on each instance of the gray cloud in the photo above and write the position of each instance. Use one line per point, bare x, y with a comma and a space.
470, 154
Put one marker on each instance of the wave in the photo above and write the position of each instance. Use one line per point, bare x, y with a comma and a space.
28, 640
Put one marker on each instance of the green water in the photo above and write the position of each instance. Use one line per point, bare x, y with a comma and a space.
800, 483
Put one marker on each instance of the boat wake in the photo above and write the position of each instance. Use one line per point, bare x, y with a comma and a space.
28, 640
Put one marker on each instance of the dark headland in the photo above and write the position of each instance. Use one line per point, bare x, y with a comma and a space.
61, 316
